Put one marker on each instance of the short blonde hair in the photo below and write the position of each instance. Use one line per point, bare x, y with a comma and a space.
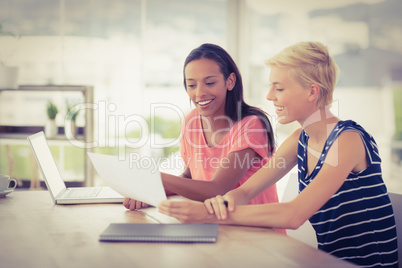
311, 64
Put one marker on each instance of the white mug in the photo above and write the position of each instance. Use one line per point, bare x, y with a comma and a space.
5, 183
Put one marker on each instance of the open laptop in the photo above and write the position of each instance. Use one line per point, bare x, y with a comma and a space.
55, 184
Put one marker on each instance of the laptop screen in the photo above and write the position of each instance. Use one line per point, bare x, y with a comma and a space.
47, 164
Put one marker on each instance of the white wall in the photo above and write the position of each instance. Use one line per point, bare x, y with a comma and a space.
373, 109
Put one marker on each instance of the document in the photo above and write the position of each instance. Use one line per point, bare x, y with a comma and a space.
140, 183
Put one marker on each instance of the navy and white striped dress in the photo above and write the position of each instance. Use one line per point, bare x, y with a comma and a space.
357, 224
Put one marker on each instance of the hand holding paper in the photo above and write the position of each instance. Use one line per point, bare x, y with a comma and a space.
142, 184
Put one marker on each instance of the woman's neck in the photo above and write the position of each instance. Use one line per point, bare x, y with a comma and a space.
319, 124
215, 129
218, 123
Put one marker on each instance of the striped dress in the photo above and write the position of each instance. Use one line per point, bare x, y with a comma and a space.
357, 224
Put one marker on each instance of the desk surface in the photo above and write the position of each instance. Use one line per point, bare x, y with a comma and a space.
36, 233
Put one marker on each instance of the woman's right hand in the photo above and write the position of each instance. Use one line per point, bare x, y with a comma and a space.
220, 205
132, 204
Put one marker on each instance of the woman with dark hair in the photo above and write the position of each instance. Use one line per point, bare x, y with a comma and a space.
223, 140
341, 189
235, 106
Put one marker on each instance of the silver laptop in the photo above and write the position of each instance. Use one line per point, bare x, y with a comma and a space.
55, 184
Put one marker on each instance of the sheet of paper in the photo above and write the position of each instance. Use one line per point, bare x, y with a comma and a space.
162, 218
142, 184
159, 217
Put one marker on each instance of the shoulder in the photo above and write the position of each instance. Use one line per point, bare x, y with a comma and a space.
350, 125
249, 126
350, 141
192, 117
350, 136
190, 123
351, 133
192, 113
251, 121
348, 147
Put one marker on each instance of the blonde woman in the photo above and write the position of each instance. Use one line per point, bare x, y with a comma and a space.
342, 192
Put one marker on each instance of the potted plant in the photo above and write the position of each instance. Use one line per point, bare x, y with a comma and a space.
51, 127
8, 74
70, 122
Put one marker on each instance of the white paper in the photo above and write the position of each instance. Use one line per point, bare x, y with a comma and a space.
163, 218
142, 184
159, 217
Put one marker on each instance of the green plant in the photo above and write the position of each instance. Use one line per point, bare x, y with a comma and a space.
51, 110
168, 129
72, 113
7, 33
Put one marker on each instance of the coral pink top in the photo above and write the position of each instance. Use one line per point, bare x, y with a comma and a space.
203, 161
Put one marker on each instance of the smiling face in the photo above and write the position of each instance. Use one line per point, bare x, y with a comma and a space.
292, 102
207, 87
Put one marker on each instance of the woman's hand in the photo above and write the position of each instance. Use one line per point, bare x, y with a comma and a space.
220, 205
186, 211
132, 204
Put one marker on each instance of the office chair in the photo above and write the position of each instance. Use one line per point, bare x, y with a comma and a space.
396, 200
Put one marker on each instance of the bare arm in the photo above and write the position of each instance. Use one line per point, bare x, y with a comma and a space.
284, 160
350, 156
224, 179
280, 164
185, 175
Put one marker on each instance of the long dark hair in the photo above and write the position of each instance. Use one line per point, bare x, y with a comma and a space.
235, 106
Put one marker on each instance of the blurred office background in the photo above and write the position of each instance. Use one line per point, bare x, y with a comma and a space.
132, 53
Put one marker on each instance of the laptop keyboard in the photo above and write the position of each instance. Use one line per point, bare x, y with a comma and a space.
82, 193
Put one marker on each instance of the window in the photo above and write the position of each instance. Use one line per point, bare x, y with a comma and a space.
361, 35
131, 51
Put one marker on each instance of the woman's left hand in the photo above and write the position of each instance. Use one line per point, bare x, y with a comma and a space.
186, 211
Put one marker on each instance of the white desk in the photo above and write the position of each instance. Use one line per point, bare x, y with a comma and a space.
36, 233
